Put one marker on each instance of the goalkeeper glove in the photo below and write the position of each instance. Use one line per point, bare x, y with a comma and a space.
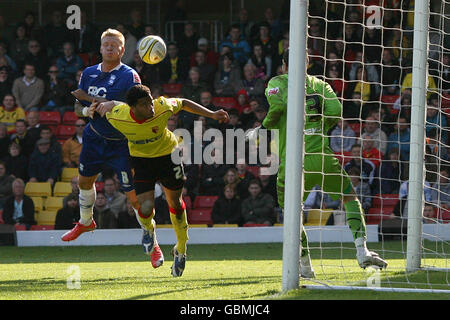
252, 134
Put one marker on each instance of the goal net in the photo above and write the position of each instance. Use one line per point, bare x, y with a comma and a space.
393, 146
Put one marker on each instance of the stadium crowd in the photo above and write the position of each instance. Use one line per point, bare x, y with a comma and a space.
369, 69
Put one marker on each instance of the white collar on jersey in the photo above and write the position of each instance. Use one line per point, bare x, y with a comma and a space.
99, 67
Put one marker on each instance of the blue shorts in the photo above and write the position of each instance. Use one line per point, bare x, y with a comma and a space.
98, 152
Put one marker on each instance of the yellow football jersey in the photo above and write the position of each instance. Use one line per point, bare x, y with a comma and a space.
150, 138
9, 118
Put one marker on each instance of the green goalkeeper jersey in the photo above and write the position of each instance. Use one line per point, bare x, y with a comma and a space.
322, 109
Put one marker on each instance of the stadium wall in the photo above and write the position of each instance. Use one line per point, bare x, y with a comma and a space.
166, 236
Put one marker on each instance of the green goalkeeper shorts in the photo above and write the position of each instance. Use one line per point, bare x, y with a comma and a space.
322, 170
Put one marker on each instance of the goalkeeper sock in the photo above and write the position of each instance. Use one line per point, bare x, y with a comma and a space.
355, 219
178, 218
87, 200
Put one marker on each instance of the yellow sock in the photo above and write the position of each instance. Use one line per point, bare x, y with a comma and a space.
147, 223
178, 218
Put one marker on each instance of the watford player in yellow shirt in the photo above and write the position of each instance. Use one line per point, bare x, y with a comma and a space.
143, 121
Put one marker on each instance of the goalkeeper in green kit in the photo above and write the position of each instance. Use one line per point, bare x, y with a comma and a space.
323, 110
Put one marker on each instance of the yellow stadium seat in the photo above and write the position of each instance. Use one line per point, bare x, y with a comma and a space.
224, 225
62, 189
46, 218
198, 226
163, 226
38, 189
318, 217
38, 203
68, 173
53, 203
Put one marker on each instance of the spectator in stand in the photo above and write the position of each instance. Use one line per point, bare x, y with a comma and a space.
187, 41
71, 148
211, 57
34, 127
56, 34
316, 37
103, 215
69, 214
19, 208
269, 185
242, 102
253, 85
361, 85
9, 61
10, 113
258, 208
440, 191
32, 29
136, 28
261, 61
372, 44
29, 89
245, 177
366, 167
231, 179
193, 86
227, 208
370, 151
362, 189
372, 129
226, 75
315, 66
434, 148
342, 137
147, 72
6, 181
177, 12
206, 101
22, 138
443, 73
246, 27
174, 68
5, 82
75, 190
371, 71
56, 93
239, 46
117, 201
335, 79
268, 44
317, 199
400, 138
16, 163
429, 214
403, 103
68, 64
47, 133
407, 83
4, 139
19, 46
275, 25
390, 72
130, 44
436, 119
86, 38
206, 70
391, 169
44, 165
38, 58
234, 121
211, 179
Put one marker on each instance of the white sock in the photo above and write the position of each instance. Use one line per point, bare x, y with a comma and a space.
361, 247
87, 200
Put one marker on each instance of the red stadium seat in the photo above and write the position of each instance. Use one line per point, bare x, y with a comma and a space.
385, 200
20, 227
172, 89
187, 200
49, 118
444, 215
445, 101
254, 225
389, 99
200, 216
1, 217
99, 186
204, 201
40, 227
69, 118
376, 215
64, 132
356, 127
224, 102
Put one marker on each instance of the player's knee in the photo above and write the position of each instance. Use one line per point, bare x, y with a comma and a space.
147, 207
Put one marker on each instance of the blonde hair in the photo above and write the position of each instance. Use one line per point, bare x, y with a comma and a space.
114, 33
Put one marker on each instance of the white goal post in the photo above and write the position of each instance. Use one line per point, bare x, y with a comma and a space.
415, 200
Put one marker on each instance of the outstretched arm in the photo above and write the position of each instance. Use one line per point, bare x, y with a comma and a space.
81, 95
193, 107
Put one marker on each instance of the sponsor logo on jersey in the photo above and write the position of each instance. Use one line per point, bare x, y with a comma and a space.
111, 80
155, 129
313, 131
97, 92
93, 75
273, 91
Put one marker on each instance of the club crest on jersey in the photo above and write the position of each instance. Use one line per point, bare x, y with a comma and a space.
136, 77
273, 91
155, 129
111, 80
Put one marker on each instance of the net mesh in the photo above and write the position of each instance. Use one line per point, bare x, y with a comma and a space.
364, 51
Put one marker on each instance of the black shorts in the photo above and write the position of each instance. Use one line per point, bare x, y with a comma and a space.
148, 171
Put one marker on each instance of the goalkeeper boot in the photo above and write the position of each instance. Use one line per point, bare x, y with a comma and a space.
77, 231
152, 248
370, 258
306, 269
179, 262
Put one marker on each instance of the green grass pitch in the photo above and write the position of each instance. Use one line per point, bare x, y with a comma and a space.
235, 272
